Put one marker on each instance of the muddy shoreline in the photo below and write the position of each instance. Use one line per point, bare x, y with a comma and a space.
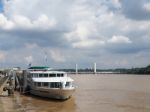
10, 104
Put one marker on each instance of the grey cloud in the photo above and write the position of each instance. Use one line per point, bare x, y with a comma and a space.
8, 41
137, 46
19, 38
49, 39
133, 9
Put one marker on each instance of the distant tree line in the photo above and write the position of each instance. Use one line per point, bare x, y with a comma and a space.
144, 70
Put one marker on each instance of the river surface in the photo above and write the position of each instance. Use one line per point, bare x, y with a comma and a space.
94, 93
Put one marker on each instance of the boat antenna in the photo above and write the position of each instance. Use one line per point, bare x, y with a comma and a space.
29, 65
45, 57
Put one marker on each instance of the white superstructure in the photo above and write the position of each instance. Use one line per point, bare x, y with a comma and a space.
45, 82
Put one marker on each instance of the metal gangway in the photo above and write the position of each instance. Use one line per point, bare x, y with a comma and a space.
3, 83
8, 83
12, 81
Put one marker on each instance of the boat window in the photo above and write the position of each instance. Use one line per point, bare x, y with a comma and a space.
35, 75
55, 85
67, 84
52, 85
40, 75
60, 75
45, 84
52, 75
45, 75
39, 84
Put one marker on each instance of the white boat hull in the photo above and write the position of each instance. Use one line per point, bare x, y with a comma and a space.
55, 93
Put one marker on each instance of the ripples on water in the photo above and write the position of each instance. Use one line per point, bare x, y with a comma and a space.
95, 93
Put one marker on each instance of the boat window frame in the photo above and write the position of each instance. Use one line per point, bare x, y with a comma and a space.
55, 85
60, 74
67, 84
47, 84
46, 74
35, 75
52, 75
38, 84
41, 75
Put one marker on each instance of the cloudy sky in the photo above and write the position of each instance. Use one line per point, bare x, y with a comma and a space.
61, 33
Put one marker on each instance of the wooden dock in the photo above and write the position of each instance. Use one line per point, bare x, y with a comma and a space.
11, 81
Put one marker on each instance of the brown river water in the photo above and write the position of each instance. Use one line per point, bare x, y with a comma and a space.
94, 93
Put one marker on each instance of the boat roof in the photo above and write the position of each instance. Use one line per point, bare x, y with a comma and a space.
43, 69
56, 79
38, 67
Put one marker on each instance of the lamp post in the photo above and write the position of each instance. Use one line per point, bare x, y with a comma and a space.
94, 68
76, 68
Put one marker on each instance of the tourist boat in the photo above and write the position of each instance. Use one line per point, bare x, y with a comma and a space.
45, 82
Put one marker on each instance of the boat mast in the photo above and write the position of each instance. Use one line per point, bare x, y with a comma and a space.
46, 64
